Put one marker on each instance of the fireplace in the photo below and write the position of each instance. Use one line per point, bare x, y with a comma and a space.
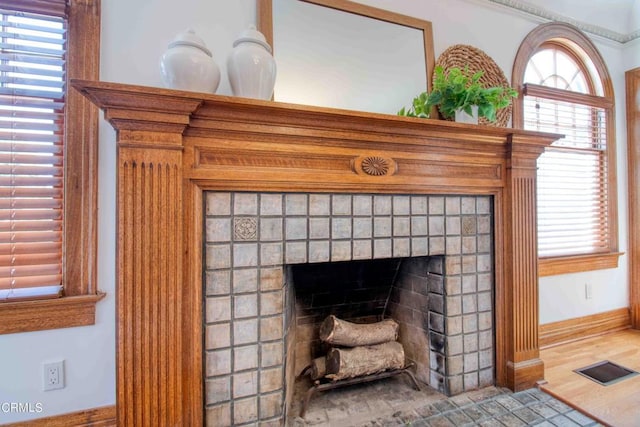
277, 264
177, 148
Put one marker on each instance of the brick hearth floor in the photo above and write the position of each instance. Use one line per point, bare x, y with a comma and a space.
392, 402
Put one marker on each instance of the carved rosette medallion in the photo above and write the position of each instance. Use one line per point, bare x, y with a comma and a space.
374, 166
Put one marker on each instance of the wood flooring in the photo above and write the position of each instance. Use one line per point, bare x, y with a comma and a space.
615, 405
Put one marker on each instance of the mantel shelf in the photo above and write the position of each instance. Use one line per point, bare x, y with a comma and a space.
156, 103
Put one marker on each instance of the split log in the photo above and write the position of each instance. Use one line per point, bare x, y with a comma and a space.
335, 331
317, 369
345, 363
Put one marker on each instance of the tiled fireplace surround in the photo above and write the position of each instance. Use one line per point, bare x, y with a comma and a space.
176, 149
256, 342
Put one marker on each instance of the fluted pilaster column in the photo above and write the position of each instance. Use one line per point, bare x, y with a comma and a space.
517, 303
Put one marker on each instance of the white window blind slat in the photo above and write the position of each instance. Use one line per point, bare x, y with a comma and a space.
28, 192
31, 214
24, 68
8, 114
33, 82
30, 248
30, 181
26, 293
29, 143
15, 226
32, 85
30, 126
30, 202
34, 92
30, 259
35, 50
35, 25
41, 62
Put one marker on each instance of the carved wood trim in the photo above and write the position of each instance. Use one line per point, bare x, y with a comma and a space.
632, 78
39, 315
97, 417
575, 264
374, 166
239, 144
149, 286
81, 153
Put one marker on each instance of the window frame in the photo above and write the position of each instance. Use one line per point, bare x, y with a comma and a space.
566, 36
79, 249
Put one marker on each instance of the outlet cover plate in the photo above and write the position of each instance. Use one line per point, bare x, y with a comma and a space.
53, 375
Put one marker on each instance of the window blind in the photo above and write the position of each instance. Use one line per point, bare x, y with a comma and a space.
572, 175
32, 88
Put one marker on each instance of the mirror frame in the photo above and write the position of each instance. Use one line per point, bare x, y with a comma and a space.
265, 24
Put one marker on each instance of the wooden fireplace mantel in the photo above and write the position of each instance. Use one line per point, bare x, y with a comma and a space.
173, 145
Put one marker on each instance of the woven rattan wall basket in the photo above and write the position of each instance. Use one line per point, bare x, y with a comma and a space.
462, 56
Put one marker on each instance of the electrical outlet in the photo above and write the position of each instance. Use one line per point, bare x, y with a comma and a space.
588, 291
53, 375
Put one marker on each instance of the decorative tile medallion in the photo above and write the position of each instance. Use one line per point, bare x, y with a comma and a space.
245, 229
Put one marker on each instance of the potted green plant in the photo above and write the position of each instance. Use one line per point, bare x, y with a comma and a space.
460, 90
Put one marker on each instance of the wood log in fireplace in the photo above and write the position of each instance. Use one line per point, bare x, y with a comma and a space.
318, 368
345, 363
340, 332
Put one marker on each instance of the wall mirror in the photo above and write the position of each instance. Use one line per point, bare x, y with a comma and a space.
341, 54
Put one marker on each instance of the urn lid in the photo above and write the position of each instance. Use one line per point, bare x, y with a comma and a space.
254, 36
190, 38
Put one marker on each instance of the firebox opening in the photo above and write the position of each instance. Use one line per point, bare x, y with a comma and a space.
407, 290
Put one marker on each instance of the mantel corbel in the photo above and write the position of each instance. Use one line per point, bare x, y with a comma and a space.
524, 151
149, 119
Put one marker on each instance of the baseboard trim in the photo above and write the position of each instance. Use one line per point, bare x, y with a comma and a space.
555, 333
96, 417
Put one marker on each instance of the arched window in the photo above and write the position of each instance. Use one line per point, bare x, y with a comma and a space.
566, 89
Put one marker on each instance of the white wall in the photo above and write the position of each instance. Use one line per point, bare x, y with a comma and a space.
634, 17
632, 53
134, 35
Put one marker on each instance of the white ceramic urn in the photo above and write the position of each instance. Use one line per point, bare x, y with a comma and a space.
251, 67
187, 64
